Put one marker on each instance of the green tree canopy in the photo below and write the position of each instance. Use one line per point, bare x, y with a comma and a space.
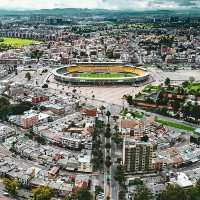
102, 108
115, 117
98, 189
145, 138
122, 195
108, 163
108, 145
11, 185
108, 114
167, 81
43, 193
28, 76
83, 194
45, 86
5, 110
142, 192
174, 192
4, 101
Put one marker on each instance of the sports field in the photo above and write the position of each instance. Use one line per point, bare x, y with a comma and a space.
17, 42
102, 75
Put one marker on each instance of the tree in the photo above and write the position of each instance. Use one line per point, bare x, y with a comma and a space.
74, 90
83, 194
167, 81
185, 83
11, 185
102, 108
115, 117
174, 192
97, 153
4, 112
191, 79
117, 140
28, 76
108, 145
107, 134
198, 186
145, 138
108, 114
119, 174
142, 192
195, 111
191, 193
176, 105
122, 195
98, 190
186, 110
19, 109
119, 160
116, 128
45, 86
4, 101
43, 193
108, 163
68, 197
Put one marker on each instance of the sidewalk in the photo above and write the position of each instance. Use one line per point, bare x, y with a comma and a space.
107, 192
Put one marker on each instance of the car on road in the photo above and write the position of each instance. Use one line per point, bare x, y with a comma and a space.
102, 172
6, 194
102, 181
101, 194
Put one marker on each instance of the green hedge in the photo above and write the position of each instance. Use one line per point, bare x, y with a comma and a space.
175, 125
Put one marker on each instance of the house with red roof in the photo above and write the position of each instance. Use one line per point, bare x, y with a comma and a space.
53, 172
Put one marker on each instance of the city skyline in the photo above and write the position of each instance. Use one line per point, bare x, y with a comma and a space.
101, 4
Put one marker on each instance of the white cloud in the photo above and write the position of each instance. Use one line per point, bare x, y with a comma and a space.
103, 4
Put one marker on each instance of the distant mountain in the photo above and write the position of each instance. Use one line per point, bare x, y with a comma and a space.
79, 11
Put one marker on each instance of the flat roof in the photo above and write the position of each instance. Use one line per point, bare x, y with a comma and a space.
54, 170
126, 139
197, 130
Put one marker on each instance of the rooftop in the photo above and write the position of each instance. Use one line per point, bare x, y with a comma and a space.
197, 131
126, 139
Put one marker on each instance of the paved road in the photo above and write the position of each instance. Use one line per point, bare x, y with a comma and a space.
113, 184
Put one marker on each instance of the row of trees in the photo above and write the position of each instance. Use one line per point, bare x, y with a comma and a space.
172, 192
97, 155
46, 192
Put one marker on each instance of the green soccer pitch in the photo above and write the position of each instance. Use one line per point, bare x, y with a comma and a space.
102, 75
17, 42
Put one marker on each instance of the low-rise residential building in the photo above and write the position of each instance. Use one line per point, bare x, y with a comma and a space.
3, 73
6, 132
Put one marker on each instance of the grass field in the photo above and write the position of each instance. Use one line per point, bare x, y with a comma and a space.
102, 75
194, 86
175, 125
18, 42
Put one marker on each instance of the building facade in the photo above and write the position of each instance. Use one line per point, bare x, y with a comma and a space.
137, 156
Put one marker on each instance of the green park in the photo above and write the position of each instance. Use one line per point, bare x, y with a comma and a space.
17, 42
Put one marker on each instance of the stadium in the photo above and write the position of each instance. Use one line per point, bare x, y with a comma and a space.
100, 73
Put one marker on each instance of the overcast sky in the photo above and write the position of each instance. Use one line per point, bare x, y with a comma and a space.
105, 4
